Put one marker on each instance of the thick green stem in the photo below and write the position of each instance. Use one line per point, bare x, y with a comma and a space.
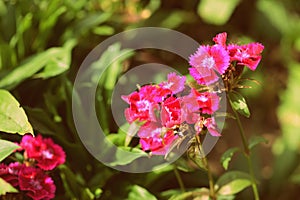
209, 174
179, 179
247, 154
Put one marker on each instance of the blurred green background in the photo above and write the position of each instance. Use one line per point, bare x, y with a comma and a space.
44, 42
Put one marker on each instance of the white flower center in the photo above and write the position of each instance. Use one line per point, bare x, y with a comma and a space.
47, 154
208, 62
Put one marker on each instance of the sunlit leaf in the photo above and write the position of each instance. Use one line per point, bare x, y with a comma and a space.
199, 194
216, 11
6, 187
232, 182
138, 193
125, 155
226, 157
13, 118
6, 148
239, 104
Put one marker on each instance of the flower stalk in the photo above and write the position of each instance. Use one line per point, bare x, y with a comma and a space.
209, 173
247, 155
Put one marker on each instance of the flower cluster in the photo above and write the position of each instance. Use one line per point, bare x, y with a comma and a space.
162, 110
41, 155
209, 62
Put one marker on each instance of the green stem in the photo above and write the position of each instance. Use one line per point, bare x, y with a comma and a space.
179, 179
209, 174
247, 154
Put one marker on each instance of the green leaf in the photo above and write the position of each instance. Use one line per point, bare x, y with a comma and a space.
232, 182
238, 103
227, 155
216, 12
103, 30
256, 140
6, 148
58, 63
6, 187
125, 155
13, 118
138, 193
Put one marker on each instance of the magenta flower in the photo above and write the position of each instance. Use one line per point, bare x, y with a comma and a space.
155, 138
208, 123
220, 39
171, 112
248, 55
10, 173
205, 102
175, 83
207, 61
142, 104
37, 184
47, 154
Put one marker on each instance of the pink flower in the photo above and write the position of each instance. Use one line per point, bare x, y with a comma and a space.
175, 83
220, 39
47, 154
10, 173
208, 123
171, 112
37, 184
142, 104
248, 55
205, 102
155, 138
206, 61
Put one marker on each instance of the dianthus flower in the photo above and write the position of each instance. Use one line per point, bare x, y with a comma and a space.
36, 183
143, 103
155, 138
47, 154
171, 112
205, 102
206, 62
175, 83
10, 173
248, 55
209, 124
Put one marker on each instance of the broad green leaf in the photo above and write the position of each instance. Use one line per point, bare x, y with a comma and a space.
138, 193
13, 118
227, 155
58, 55
256, 140
58, 63
125, 155
232, 182
225, 197
216, 12
238, 103
6, 187
6, 148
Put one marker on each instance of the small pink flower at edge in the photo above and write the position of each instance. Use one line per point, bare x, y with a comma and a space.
175, 83
38, 185
47, 154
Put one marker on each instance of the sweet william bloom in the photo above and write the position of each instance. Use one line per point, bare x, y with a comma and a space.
175, 83
204, 102
248, 55
36, 183
206, 62
171, 112
47, 154
155, 138
142, 104
220, 39
209, 124
10, 173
